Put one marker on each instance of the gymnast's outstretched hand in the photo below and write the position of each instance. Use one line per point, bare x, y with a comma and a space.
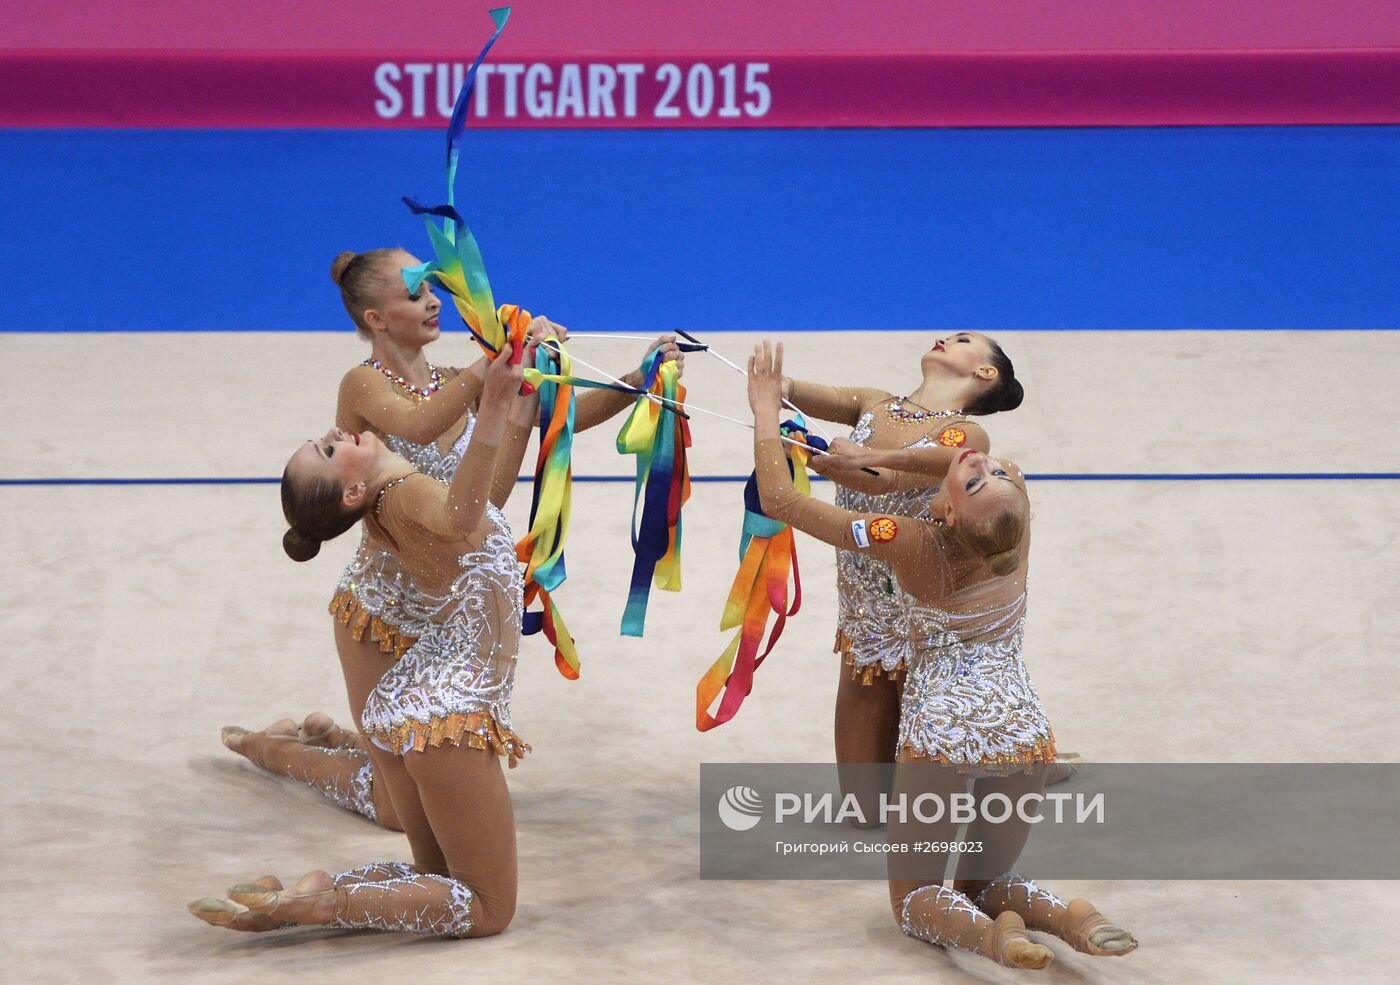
766, 385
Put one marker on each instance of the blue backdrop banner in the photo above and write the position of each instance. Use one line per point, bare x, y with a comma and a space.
815, 230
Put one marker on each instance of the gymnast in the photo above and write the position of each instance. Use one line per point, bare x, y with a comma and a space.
969, 713
909, 441
426, 414
441, 713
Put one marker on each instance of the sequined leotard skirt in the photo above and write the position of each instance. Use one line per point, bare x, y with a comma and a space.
971, 705
370, 596
454, 684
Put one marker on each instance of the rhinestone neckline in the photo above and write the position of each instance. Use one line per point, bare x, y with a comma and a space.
895, 409
379, 500
417, 393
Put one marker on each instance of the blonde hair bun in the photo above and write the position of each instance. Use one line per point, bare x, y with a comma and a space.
341, 261
1005, 562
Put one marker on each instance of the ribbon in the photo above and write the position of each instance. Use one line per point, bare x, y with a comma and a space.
542, 548
767, 553
658, 435
458, 266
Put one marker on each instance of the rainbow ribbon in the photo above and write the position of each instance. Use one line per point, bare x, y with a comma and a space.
658, 436
542, 549
767, 553
458, 266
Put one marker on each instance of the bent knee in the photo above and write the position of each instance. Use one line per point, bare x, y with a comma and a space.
491, 920
897, 911
899, 893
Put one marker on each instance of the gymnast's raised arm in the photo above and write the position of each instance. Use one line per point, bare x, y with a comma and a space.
461, 512
597, 406
839, 404
841, 528
899, 469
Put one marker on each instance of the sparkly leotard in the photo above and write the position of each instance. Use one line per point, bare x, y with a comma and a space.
451, 619
454, 683
372, 590
872, 621
872, 618
967, 699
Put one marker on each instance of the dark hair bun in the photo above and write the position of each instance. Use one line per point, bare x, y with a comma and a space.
1012, 395
300, 547
339, 264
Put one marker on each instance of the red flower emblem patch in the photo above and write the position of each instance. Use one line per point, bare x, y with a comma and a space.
883, 529
953, 438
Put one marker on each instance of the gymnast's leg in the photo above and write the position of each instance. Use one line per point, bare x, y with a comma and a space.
343, 776
363, 663
867, 731
923, 906
470, 892
990, 880
329, 760
456, 811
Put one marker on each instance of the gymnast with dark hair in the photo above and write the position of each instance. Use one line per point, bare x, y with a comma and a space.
969, 715
910, 441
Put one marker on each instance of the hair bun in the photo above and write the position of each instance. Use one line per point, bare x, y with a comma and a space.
341, 261
1012, 397
1005, 562
300, 547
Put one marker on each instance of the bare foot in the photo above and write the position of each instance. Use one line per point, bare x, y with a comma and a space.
310, 901
235, 916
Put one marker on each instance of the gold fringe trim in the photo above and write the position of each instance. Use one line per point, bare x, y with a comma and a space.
477, 729
1022, 760
868, 674
345, 607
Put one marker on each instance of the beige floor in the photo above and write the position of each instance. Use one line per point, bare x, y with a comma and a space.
1224, 621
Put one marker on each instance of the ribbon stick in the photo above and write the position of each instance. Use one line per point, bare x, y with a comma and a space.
742, 372
535, 376
767, 554
657, 433
615, 337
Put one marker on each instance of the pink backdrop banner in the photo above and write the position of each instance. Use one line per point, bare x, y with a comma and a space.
294, 89
686, 27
